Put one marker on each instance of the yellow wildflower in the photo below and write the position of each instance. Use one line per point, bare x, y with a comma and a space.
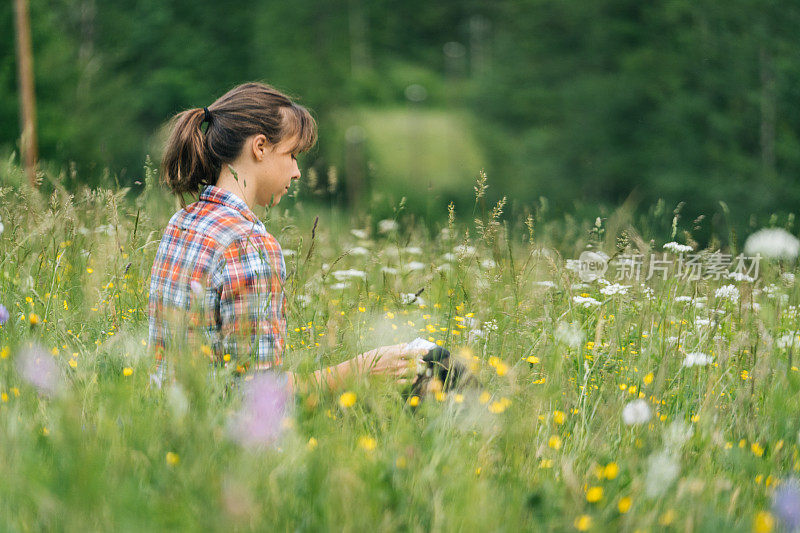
347, 399
763, 522
127, 371
554, 442
624, 505
594, 494
583, 522
173, 459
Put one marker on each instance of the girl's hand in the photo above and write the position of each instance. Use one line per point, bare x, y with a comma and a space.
396, 360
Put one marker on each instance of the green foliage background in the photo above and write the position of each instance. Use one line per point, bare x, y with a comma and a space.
580, 101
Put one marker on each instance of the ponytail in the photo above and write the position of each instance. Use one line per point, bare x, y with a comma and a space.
193, 159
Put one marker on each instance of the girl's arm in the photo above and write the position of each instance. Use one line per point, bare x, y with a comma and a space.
395, 360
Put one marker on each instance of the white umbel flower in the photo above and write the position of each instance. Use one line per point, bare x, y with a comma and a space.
696, 359
727, 292
775, 243
636, 412
615, 288
388, 225
570, 334
676, 248
342, 275
585, 301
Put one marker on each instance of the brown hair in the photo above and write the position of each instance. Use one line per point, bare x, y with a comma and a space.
193, 159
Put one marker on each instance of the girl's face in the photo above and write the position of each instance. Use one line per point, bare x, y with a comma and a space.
275, 170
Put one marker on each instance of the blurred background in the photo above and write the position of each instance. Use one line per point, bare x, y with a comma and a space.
567, 105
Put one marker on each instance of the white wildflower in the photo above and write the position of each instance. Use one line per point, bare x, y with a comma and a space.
570, 334
358, 250
696, 359
676, 248
740, 276
727, 292
303, 299
579, 286
648, 292
490, 325
389, 270
773, 243
786, 277
677, 434
545, 283
488, 264
387, 226
448, 257
464, 250
574, 265
663, 469
636, 412
788, 340
360, 233
615, 288
413, 265
445, 267
410, 297
342, 275
682, 299
700, 322
585, 301
413, 250
340, 286
2, 227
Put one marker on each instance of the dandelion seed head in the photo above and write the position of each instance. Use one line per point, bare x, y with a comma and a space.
636, 412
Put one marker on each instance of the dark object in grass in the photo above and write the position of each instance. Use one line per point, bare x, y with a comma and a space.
440, 372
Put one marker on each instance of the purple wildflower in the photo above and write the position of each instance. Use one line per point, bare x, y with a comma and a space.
3, 314
37, 366
786, 504
265, 406
196, 287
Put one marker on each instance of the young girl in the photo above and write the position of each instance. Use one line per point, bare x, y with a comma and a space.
216, 255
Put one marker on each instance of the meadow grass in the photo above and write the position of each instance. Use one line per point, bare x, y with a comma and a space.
544, 445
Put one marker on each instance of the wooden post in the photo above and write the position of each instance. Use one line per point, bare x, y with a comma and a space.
27, 99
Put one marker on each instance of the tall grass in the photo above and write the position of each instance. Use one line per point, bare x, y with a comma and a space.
544, 447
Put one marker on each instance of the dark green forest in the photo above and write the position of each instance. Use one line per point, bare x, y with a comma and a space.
583, 102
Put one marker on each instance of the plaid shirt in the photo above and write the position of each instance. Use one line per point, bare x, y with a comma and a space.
217, 265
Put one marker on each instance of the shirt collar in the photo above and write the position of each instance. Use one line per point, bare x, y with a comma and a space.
218, 195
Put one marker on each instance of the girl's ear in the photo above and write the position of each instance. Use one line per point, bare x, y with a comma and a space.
260, 146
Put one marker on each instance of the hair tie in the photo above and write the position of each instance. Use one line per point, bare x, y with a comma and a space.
206, 116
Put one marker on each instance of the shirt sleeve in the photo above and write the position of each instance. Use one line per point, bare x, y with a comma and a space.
248, 277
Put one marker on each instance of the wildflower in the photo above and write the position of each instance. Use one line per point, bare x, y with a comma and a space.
367, 443
340, 287
127, 371
2, 228
387, 226
409, 298
347, 399
636, 412
360, 233
696, 359
33, 318
763, 522
611, 471
413, 250
594, 494
787, 278
39, 369
265, 407
583, 522
624, 504
3, 314
559, 417
615, 288
786, 504
757, 449
570, 334
548, 284
774, 243
662, 470
488, 264
648, 379
389, 270
358, 250
342, 275
312, 443
585, 301
413, 401
554, 442
787, 341
727, 292
676, 248
173, 459
413, 266
740, 276
196, 287
464, 250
